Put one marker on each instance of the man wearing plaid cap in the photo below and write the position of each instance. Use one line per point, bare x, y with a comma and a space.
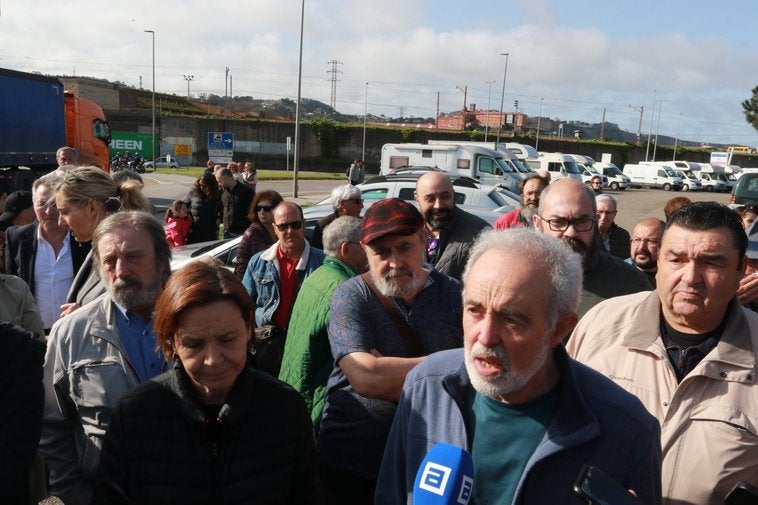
382, 324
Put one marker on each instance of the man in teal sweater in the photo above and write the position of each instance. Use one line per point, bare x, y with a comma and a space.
307, 360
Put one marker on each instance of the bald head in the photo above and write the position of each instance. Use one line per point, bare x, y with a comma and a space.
646, 242
567, 211
436, 199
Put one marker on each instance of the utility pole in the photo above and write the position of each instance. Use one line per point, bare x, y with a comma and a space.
500, 120
650, 131
188, 78
464, 90
226, 87
333, 79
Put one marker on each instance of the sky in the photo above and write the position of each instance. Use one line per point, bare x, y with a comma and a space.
688, 64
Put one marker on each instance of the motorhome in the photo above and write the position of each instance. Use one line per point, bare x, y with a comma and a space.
653, 176
519, 168
712, 177
690, 181
588, 170
558, 165
617, 180
481, 163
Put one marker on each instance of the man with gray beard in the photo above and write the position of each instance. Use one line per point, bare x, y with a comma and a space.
530, 416
102, 350
530, 190
383, 323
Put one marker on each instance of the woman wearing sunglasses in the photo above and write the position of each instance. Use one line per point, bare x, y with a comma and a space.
260, 234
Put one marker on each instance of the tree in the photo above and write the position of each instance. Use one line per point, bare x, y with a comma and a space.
750, 107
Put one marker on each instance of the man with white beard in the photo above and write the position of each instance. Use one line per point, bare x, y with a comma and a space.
383, 323
102, 350
530, 416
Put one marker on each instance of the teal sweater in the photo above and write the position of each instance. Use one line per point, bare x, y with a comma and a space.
307, 361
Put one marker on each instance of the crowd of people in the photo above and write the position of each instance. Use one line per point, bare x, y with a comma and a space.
329, 371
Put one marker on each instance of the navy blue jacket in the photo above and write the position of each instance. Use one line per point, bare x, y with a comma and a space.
596, 422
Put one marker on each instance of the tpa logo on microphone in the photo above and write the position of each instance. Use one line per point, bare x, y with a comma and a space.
435, 477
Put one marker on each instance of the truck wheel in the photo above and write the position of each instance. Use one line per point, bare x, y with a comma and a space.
685, 187
709, 188
615, 186
667, 187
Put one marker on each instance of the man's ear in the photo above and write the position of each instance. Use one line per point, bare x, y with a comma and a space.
564, 325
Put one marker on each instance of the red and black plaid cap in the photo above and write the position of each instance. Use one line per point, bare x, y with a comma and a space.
391, 216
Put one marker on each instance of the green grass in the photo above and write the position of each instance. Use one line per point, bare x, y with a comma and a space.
263, 175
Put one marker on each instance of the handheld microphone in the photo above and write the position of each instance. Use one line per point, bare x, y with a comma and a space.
444, 477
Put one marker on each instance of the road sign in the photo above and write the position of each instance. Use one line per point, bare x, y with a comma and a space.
182, 150
220, 146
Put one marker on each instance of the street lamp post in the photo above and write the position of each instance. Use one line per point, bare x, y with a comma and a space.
539, 117
650, 131
296, 160
188, 78
365, 113
657, 127
502, 100
152, 32
487, 122
676, 139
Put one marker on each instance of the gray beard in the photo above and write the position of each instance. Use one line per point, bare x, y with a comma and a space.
133, 295
506, 382
528, 213
390, 285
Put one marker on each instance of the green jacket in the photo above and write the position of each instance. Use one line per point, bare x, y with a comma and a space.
307, 361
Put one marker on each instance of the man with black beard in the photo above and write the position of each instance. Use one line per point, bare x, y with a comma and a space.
382, 324
530, 416
450, 230
102, 350
530, 190
568, 211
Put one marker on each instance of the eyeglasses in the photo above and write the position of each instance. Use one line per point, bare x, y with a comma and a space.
609, 212
596, 183
562, 224
263, 208
650, 241
295, 225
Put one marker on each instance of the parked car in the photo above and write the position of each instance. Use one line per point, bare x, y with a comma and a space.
469, 193
223, 250
161, 163
745, 190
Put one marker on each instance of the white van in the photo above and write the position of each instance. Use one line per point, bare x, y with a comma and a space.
587, 169
559, 165
690, 182
616, 178
519, 168
654, 176
481, 163
712, 177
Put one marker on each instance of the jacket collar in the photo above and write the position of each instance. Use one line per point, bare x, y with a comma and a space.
270, 256
574, 422
734, 346
232, 411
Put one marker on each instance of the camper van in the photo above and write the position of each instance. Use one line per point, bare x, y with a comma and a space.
712, 177
690, 181
559, 165
587, 169
654, 176
519, 168
616, 178
481, 163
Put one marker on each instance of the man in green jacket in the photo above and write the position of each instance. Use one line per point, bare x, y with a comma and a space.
307, 360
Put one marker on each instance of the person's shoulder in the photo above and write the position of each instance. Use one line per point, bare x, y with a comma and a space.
14, 232
606, 399
438, 364
609, 261
469, 219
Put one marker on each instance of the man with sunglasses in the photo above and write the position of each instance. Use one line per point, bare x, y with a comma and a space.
274, 275
568, 211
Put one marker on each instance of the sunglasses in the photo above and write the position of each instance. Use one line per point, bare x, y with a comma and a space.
263, 208
295, 225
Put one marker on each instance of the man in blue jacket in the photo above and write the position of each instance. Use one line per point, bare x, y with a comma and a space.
530, 416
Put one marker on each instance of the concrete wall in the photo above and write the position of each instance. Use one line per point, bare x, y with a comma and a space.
259, 140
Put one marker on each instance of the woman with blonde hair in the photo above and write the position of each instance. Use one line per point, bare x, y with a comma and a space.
84, 197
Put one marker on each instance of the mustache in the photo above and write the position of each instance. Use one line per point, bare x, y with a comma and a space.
397, 272
129, 282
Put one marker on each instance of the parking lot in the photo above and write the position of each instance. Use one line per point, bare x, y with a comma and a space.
634, 204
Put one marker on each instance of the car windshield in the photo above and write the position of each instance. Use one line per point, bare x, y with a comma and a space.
571, 167
522, 167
